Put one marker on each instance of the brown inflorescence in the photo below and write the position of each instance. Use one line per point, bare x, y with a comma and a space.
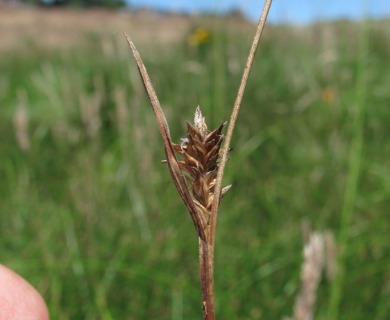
200, 151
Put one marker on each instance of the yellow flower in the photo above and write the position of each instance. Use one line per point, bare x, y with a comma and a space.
328, 95
199, 37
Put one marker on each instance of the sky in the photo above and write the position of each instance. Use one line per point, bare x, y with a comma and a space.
291, 11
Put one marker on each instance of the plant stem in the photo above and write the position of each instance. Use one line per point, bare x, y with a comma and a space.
354, 172
206, 261
206, 246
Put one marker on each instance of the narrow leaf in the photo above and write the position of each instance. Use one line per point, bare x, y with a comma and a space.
173, 165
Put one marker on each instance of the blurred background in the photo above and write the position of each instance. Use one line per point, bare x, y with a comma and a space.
89, 214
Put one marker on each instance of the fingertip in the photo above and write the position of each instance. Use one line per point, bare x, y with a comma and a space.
18, 299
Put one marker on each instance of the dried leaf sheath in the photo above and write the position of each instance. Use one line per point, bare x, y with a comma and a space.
173, 164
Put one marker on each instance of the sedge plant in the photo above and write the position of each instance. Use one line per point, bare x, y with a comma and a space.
198, 173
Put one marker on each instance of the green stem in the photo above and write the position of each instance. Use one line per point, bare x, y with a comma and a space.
354, 171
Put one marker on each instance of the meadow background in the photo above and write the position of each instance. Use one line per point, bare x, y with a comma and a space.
89, 215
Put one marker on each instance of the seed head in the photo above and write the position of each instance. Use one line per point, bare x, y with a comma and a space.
200, 152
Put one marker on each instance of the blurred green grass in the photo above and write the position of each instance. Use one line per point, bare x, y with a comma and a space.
91, 218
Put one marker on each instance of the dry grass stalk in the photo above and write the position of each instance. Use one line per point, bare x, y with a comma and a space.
234, 115
21, 123
121, 112
198, 177
90, 109
313, 253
